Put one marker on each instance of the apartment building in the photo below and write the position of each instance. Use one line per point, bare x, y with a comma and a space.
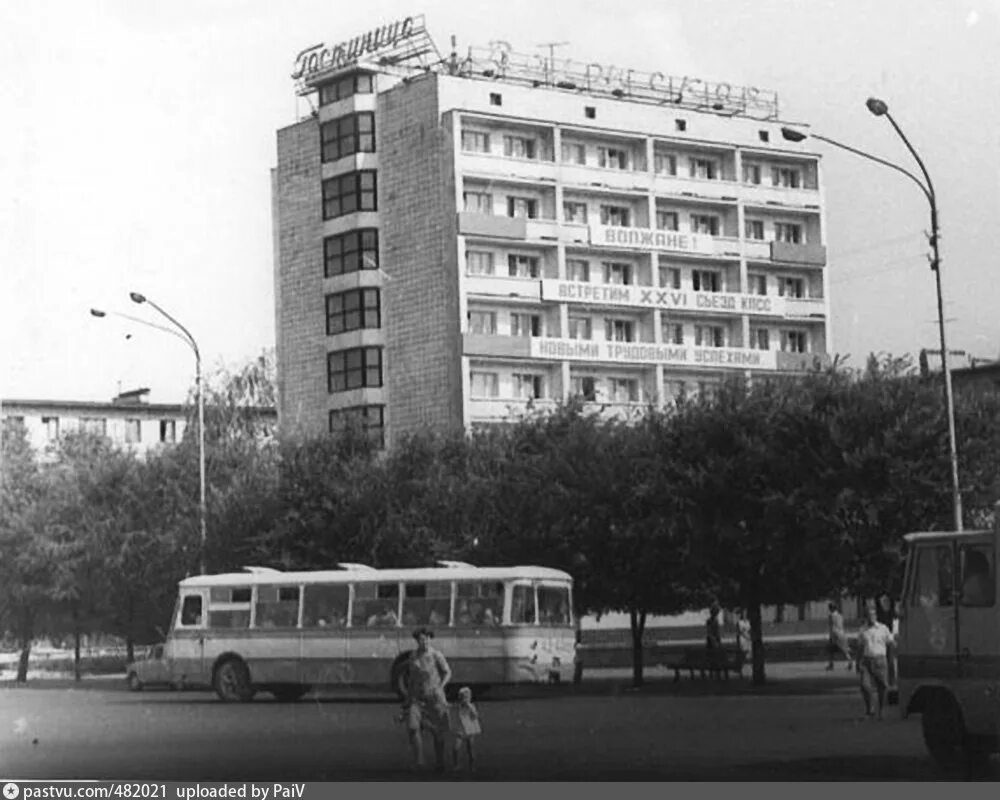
458, 240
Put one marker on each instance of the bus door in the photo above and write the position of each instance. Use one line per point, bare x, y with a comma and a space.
188, 638
978, 635
928, 646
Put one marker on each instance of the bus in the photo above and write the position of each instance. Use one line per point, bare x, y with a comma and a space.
288, 632
949, 644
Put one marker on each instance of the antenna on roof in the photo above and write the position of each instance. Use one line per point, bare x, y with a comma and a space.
456, 565
261, 570
356, 567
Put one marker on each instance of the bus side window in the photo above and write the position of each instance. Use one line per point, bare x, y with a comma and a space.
277, 607
426, 603
478, 603
325, 606
932, 583
375, 605
978, 580
553, 605
522, 609
191, 610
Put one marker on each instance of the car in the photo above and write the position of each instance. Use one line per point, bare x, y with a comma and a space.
150, 670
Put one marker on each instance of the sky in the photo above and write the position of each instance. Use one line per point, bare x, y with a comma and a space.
138, 138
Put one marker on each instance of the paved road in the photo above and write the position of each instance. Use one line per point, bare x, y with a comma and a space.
790, 730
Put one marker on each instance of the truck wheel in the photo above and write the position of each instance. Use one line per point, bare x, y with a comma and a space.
232, 681
944, 733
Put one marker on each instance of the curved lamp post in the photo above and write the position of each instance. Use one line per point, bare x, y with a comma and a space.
880, 109
185, 336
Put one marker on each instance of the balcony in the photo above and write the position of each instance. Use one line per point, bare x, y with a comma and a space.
479, 344
801, 362
601, 179
778, 196
813, 255
493, 286
696, 189
805, 308
491, 226
498, 167
503, 409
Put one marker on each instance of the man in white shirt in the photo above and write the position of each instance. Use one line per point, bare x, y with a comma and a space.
874, 639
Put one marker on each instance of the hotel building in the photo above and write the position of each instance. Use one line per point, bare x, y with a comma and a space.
460, 239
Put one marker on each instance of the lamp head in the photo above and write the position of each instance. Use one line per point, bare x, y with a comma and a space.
137, 298
792, 135
96, 312
877, 107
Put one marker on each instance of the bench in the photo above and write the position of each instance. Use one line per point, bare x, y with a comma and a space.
717, 664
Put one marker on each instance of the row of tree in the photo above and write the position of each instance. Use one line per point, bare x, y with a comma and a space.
774, 492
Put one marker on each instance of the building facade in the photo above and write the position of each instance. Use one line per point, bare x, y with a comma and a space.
459, 243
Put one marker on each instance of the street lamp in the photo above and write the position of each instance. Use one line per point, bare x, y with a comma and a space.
880, 109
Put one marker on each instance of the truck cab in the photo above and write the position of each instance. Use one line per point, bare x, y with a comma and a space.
949, 645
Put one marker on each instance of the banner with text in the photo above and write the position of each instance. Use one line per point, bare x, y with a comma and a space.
648, 353
648, 239
670, 299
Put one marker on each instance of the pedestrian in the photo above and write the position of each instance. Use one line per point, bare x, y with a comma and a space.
837, 641
713, 629
422, 684
465, 726
874, 640
743, 635
885, 612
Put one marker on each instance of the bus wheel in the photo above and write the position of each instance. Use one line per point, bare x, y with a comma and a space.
944, 732
289, 694
232, 681
134, 684
398, 667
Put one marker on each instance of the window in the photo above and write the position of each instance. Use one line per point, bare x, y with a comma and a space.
354, 369
579, 327
790, 232
757, 283
51, 425
277, 607
786, 177
575, 212
670, 277
791, 287
346, 87
619, 330
751, 173
525, 325
706, 280
624, 390
348, 193
229, 607
191, 610
794, 342
350, 252
705, 223
934, 579
667, 220
370, 420
760, 339
519, 147
345, 136
553, 605
522, 605
427, 603
475, 142
350, 311
615, 215
709, 336
95, 425
765, 136
573, 153
978, 576
483, 322
168, 431
376, 605
673, 332
584, 386
529, 386
519, 266
590, 112
617, 272
478, 202
705, 169
484, 384
577, 269
479, 603
479, 262
325, 606
133, 431
522, 207
680, 124
496, 99
612, 157
665, 163
753, 229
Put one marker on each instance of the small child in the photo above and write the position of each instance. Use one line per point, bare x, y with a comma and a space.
465, 726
